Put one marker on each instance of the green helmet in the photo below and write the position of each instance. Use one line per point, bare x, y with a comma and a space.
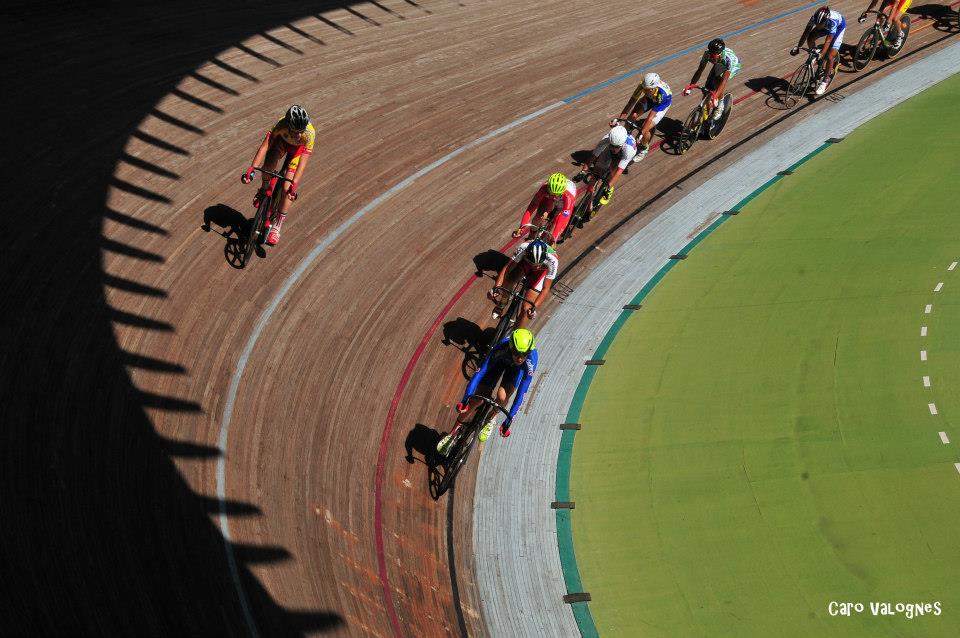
557, 183
522, 341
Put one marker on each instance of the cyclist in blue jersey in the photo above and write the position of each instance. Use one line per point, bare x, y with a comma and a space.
726, 64
831, 26
646, 107
515, 356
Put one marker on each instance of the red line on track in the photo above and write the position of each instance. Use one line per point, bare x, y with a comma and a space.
387, 429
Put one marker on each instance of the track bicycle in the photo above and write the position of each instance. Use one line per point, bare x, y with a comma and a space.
875, 38
458, 451
701, 121
511, 313
269, 204
595, 188
808, 75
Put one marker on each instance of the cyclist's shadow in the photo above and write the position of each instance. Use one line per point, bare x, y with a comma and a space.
472, 340
422, 440
232, 226
669, 131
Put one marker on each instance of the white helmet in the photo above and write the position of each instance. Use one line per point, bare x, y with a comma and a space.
651, 80
618, 136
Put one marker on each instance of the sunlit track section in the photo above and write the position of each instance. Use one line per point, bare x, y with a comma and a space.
516, 530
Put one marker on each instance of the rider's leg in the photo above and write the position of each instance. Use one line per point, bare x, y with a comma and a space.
274, 236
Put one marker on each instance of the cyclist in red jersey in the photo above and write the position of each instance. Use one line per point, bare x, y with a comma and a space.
538, 264
293, 137
556, 196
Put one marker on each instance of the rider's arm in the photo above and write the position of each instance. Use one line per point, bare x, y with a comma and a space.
827, 44
543, 294
304, 159
502, 275
723, 84
534, 205
522, 382
261, 153
806, 32
563, 217
696, 76
615, 176
632, 102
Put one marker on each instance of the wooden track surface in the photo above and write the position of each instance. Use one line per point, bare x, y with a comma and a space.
126, 316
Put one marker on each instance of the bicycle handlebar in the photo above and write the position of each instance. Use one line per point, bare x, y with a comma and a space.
519, 296
283, 178
490, 402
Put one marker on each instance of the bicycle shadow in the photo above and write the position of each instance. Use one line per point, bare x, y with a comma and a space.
470, 339
233, 226
669, 131
423, 439
775, 88
944, 18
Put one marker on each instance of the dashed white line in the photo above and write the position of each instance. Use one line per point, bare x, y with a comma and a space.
957, 465
926, 381
923, 331
923, 355
928, 308
952, 266
939, 287
933, 408
943, 437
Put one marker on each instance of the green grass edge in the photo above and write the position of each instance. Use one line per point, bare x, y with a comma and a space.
568, 557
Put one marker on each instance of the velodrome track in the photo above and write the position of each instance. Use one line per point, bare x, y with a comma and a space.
126, 321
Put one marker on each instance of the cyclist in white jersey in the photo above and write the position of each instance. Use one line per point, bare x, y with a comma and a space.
726, 64
610, 158
830, 25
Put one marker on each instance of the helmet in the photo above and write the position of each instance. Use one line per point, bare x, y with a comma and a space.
297, 117
716, 46
557, 183
522, 341
651, 80
536, 252
821, 14
618, 135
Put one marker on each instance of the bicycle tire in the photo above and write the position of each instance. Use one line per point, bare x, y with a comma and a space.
715, 126
461, 449
893, 51
691, 130
800, 83
255, 236
866, 49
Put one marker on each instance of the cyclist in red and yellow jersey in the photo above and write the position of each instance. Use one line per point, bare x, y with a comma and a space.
292, 138
897, 9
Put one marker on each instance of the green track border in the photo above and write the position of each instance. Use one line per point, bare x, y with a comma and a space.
568, 557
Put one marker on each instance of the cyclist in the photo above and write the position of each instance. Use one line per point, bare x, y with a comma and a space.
726, 64
292, 137
832, 25
615, 147
555, 196
537, 263
897, 9
646, 107
515, 356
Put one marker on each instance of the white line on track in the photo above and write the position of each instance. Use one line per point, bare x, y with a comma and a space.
926, 381
933, 408
923, 331
928, 308
952, 266
939, 287
957, 465
923, 355
943, 437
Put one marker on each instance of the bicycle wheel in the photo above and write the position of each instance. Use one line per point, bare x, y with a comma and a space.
800, 83
255, 236
893, 51
715, 126
691, 130
866, 49
460, 450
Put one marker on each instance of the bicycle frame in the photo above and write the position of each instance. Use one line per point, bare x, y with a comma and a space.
466, 434
270, 203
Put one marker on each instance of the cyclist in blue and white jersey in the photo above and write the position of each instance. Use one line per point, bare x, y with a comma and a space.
831, 24
611, 157
516, 357
647, 106
726, 64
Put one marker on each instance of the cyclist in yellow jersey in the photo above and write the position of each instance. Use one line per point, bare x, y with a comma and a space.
292, 138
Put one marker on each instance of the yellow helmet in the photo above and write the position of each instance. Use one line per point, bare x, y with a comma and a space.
522, 341
557, 183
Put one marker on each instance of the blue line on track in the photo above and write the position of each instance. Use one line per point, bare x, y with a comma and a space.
673, 56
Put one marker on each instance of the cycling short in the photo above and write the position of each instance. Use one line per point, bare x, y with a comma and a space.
837, 41
486, 386
280, 149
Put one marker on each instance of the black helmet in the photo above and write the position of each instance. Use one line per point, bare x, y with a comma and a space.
716, 46
821, 14
537, 252
297, 118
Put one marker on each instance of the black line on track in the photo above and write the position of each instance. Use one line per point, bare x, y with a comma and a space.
452, 563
